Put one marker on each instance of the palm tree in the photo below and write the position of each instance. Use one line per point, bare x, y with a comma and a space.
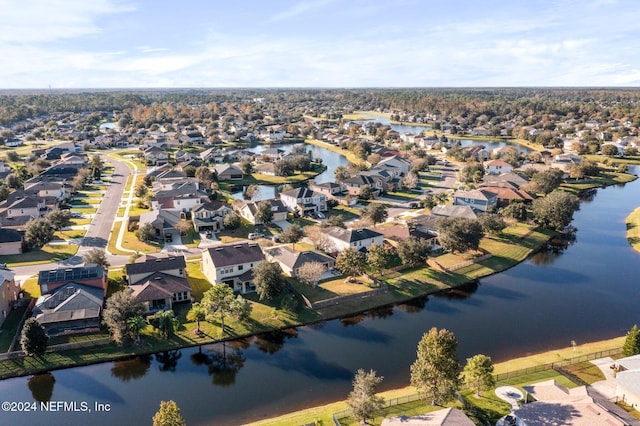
166, 322
135, 325
197, 313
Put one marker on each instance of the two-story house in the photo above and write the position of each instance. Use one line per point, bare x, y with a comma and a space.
93, 276
355, 184
156, 155
232, 265
359, 239
159, 281
304, 201
291, 261
209, 215
182, 196
497, 167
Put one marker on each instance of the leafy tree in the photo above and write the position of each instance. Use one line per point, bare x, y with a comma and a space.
472, 172
478, 373
375, 212
341, 173
204, 176
168, 415
632, 342
491, 223
459, 233
231, 221
135, 325
146, 233
246, 167
13, 181
121, 306
141, 190
190, 171
292, 234
515, 210
410, 181
96, 256
334, 220
435, 372
311, 272
555, 211
4, 192
264, 214
268, 280
59, 218
197, 313
351, 262
165, 321
365, 193
378, 257
38, 232
413, 250
33, 339
547, 181
219, 300
362, 400
609, 150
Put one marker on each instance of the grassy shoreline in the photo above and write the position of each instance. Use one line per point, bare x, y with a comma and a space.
633, 229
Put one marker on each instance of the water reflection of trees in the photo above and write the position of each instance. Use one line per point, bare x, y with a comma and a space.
554, 248
273, 341
415, 305
132, 368
41, 386
352, 320
168, 360
381, 312
461, 292
223, 361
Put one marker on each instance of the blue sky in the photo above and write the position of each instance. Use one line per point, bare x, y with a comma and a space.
318, 43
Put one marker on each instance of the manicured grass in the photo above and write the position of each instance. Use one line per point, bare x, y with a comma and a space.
604, 179
48, 254
113, 237
347, 212
191, 239
30, 287
80, 221
585, 371
199, 284
333, 288
629, 409
67, 235
633, 229
131, 242
80, 337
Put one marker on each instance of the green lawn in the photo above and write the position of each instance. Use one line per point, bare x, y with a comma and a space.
347, 212
48, 254
633, 229
199, 284
10, 327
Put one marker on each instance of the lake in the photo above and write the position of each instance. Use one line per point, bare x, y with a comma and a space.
587, 292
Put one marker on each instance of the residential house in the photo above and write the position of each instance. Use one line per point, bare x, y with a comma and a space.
628, 381
93, 276
497, 167
212, 155
9, 292
273, 154
11, 241
156, 155
248, 210
164, 221
398, 165
209, 215
291, 260
59, 190
274, 133
507, 193
583, 405
397, 233
232, 265
265, 169
228, 172
329, 189
341, 239
304, 201
478, 199
355, 184
183, 196
454, 211
443, 417
512, 178
70, 308
159, 281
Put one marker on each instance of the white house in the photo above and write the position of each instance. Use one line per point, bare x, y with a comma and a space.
232, 264
497, 167
341, 239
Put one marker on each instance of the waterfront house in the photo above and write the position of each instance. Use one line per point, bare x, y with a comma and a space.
359, 239
291, 260
478, 199
93, 276
228, 172
248, 210
232, 265
70, 308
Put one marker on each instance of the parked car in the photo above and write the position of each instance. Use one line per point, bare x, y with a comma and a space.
168, 238
76, 214
254, 235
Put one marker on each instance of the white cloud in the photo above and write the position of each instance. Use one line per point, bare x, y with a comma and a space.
300, 8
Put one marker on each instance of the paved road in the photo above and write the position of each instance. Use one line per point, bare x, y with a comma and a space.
97, 234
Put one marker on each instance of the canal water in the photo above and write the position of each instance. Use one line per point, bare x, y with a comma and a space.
587, 292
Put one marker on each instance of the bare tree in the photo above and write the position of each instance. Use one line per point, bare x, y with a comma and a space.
311, 272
